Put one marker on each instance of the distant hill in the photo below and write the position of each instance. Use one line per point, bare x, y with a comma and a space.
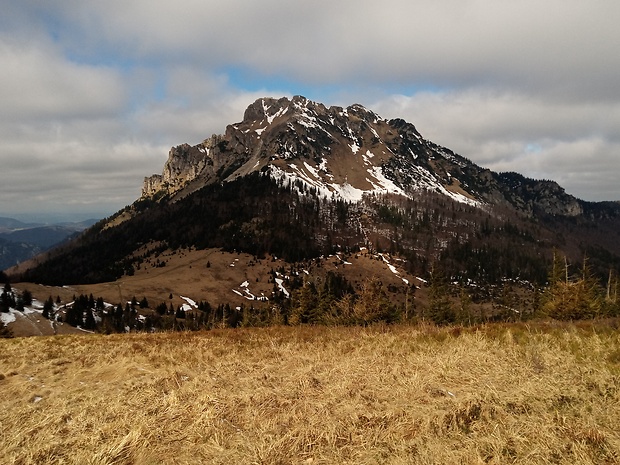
21, 241
10, 224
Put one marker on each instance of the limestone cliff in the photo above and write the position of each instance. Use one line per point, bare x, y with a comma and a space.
347, 153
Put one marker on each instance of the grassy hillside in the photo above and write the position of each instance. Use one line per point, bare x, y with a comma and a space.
398, 394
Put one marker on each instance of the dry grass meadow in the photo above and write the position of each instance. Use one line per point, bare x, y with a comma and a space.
186, 274
545, 393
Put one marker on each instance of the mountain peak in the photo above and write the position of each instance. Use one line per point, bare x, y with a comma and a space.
344, 153
267, 109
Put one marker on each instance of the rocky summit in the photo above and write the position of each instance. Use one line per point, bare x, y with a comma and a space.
345, 153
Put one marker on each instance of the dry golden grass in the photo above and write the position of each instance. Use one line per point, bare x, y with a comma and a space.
420, 395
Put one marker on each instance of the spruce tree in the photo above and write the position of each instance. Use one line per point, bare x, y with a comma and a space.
27, 297
574, 297
304, 305
7, 299
440, 309
48, 308
373, 305
5, 332
89, 322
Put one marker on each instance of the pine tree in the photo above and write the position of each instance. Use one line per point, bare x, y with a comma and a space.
573, 298
27, 297
48, 308
440, 309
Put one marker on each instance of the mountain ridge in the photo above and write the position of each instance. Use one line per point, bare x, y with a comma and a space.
300, 180
347, 152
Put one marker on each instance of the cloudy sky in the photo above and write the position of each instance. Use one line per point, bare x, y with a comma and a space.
94, 94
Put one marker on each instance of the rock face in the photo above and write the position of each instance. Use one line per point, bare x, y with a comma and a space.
185, 163
346, 153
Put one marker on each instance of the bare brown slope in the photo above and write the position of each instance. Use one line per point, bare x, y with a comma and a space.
218, 277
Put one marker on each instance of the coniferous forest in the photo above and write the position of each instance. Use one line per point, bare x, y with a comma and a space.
479, 264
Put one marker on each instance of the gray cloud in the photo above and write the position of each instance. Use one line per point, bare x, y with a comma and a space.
94, 94
38, 83
558, 47
574, 144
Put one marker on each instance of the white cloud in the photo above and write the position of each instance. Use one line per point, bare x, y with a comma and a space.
197, 105
94, 94
37, 82
574, 144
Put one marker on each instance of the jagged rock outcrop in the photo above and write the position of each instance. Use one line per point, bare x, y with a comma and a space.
185, 163
346, 153
342, 152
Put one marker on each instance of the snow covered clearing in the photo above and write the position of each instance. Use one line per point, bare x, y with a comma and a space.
367, 156
383, 184
344, 262
347, 192
317, 177
249, 295
8, 317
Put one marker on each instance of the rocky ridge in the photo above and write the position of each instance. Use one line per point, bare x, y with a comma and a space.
346, 153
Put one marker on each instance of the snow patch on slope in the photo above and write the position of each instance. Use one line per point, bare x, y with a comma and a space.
280, 283
383, 184
393, 269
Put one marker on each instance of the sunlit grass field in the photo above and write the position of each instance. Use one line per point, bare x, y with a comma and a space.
539, 393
